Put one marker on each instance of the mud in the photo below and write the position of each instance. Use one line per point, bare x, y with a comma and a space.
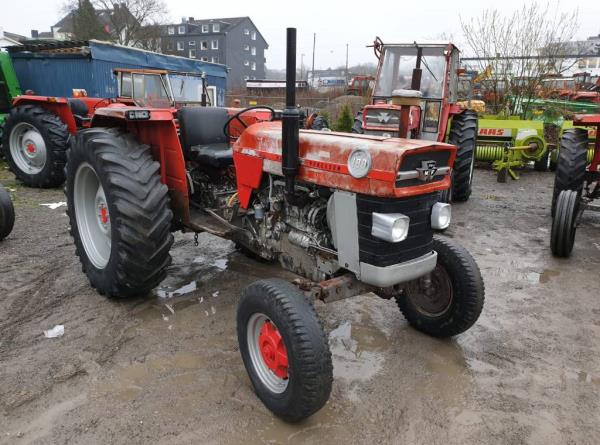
166, 369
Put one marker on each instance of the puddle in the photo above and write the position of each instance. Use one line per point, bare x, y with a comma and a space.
547, 274
356, 352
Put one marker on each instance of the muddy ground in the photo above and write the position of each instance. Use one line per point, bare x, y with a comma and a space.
139, 371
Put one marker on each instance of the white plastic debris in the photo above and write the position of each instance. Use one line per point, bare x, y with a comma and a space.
215, 294
213, 310
165, 318
221, 264
186, 289
170, 308
56, 331
54, 205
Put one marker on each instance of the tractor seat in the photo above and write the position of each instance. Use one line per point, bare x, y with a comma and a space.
80, 111
202, 136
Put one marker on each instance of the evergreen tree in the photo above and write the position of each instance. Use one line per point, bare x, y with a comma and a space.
86, 25
345, 120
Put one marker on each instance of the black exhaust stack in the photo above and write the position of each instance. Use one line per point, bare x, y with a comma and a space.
417, 71
291, 120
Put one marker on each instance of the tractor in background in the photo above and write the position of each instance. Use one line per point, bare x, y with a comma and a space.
415, 96
37, 129
347, 213
576, 183
360, 85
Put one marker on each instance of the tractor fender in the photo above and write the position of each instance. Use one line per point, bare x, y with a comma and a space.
56, 105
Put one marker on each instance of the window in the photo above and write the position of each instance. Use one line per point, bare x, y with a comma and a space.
182, 29
253, 37
204, 59
246, 63
246, 32
126, 88
171, 30
192, 43
214, 44
192, 53
216, 27
253, 52
205, 28
204, 44
179, 46
214, 59
246, 47
253, 67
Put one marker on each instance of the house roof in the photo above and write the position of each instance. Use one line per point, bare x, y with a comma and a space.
104, 17
226, 23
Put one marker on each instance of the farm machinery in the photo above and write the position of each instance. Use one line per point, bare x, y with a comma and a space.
576, 184
37, 128
415, 96
7, 213
347, 213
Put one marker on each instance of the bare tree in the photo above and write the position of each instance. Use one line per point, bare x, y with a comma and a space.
515, 51
130, 22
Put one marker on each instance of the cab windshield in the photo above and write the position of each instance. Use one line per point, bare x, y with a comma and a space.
186, 88
397, 69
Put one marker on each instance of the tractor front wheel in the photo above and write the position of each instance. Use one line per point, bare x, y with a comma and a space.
7, 214
34, 144
449, 300
564, 223
463, 134
118, 211
285, 349
571, 163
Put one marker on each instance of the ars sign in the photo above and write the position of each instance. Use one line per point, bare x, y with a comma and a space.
500, 132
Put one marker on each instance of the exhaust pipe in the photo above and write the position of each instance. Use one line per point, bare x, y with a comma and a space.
290, 120
417, 71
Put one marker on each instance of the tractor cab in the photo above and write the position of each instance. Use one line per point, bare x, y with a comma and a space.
415, 82
163, 89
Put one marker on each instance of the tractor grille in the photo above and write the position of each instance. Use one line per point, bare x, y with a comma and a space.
420, 234
411, 162
383, 118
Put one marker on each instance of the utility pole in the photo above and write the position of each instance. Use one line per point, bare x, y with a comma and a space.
346, 64
313, 61
302, 66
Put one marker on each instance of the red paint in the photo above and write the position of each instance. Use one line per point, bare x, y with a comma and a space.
249, 170
591, 120
104, 215
272, 350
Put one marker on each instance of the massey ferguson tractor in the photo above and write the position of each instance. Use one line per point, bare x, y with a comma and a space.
37, 129
415, 96
348, 214
576, 183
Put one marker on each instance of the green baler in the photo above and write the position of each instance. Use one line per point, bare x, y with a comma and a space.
9, 87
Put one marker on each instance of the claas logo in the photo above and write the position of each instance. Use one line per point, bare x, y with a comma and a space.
492, 131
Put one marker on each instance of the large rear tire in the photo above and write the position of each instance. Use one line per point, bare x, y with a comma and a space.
453, 300
564, 223
7, 214
285, 349
119, 212
463, 134
571, 163
34, 143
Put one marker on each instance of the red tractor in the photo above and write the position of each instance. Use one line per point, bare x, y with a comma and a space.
415, 96
37, 130
576, 184
348, 214
360, 85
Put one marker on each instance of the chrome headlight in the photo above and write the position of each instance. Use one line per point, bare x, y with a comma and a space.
441, 214
359, 163
392, 227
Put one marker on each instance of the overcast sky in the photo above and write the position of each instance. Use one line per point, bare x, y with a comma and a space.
335, 22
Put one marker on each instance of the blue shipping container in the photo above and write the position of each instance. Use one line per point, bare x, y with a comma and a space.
56, 74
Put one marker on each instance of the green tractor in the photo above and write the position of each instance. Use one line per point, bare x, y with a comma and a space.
9, 87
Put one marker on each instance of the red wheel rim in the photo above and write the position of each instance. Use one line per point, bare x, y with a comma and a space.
272, 350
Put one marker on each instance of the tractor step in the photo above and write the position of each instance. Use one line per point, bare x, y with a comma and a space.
201, 221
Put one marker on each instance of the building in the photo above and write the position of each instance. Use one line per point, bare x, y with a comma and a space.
235, 42
10, 39
324, 80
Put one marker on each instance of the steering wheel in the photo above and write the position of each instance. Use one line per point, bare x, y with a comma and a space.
237, 115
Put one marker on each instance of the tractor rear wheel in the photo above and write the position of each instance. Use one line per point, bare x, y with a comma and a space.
564, 223
463, 134
357, 126
571, 163
449, 300
119, 212
7, 214
34, 142
285, 349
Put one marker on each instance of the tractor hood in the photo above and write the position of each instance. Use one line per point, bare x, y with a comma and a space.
324, 160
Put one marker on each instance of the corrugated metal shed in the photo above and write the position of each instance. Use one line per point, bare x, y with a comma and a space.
56, 70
